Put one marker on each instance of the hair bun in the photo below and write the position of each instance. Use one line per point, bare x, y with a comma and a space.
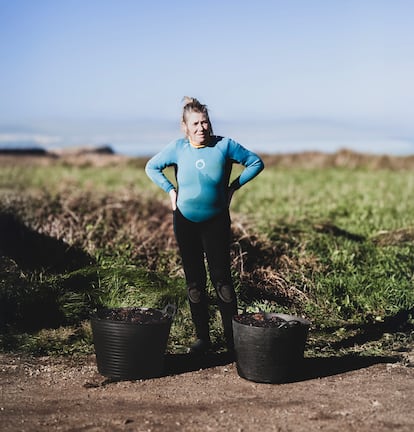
188, 100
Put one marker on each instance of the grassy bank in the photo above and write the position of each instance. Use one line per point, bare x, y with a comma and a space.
334, 244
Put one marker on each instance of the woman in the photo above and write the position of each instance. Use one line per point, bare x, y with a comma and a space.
202, 163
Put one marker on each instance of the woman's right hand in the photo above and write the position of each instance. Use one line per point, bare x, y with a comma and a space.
173, 198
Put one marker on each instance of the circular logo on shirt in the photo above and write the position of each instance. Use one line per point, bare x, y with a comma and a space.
200, 164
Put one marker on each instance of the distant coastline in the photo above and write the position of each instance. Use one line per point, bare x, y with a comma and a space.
24, 151
145, 137
101, 156
40, 151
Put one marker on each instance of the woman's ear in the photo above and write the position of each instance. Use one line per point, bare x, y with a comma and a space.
184, 128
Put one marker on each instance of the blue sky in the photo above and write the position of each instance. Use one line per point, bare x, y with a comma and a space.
278, 76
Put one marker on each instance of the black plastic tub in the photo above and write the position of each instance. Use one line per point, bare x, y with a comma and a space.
271, 354
131, 350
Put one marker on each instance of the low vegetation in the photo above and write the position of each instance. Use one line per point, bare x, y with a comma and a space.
331, 241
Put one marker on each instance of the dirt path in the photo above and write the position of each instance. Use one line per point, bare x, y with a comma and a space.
46, 394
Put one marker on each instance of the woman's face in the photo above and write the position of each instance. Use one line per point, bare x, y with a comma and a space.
197, 128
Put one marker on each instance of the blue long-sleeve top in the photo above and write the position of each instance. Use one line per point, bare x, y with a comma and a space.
203, 174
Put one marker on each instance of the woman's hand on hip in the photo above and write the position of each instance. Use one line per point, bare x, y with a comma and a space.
173, 198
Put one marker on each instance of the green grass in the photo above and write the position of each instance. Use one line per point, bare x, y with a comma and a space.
347, 235
57, 176
359, 201
337, 217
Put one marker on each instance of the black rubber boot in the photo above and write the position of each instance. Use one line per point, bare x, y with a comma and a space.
227, 303
200, 347
228, 311
199, 313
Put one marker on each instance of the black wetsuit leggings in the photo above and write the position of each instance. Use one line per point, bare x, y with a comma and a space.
210, 239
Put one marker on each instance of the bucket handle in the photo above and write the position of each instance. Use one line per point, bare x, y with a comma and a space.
290, 323
170, 310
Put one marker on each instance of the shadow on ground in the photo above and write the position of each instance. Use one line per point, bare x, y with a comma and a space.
33, 250
176, 364
320, 367
32, 270
373, 331
311, 368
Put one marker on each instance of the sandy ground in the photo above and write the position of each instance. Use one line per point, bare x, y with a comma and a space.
366, 394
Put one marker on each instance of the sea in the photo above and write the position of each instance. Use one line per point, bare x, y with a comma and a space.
142, 138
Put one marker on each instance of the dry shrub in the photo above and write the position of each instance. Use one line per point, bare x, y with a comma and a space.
121, 223
396, 237
267, 268
114, 223
98, 157
340, 159
73, 156
139, 229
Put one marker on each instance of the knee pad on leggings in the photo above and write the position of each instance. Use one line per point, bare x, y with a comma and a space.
225, 292
194, 293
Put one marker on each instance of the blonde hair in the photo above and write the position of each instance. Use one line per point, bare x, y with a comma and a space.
191, 104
